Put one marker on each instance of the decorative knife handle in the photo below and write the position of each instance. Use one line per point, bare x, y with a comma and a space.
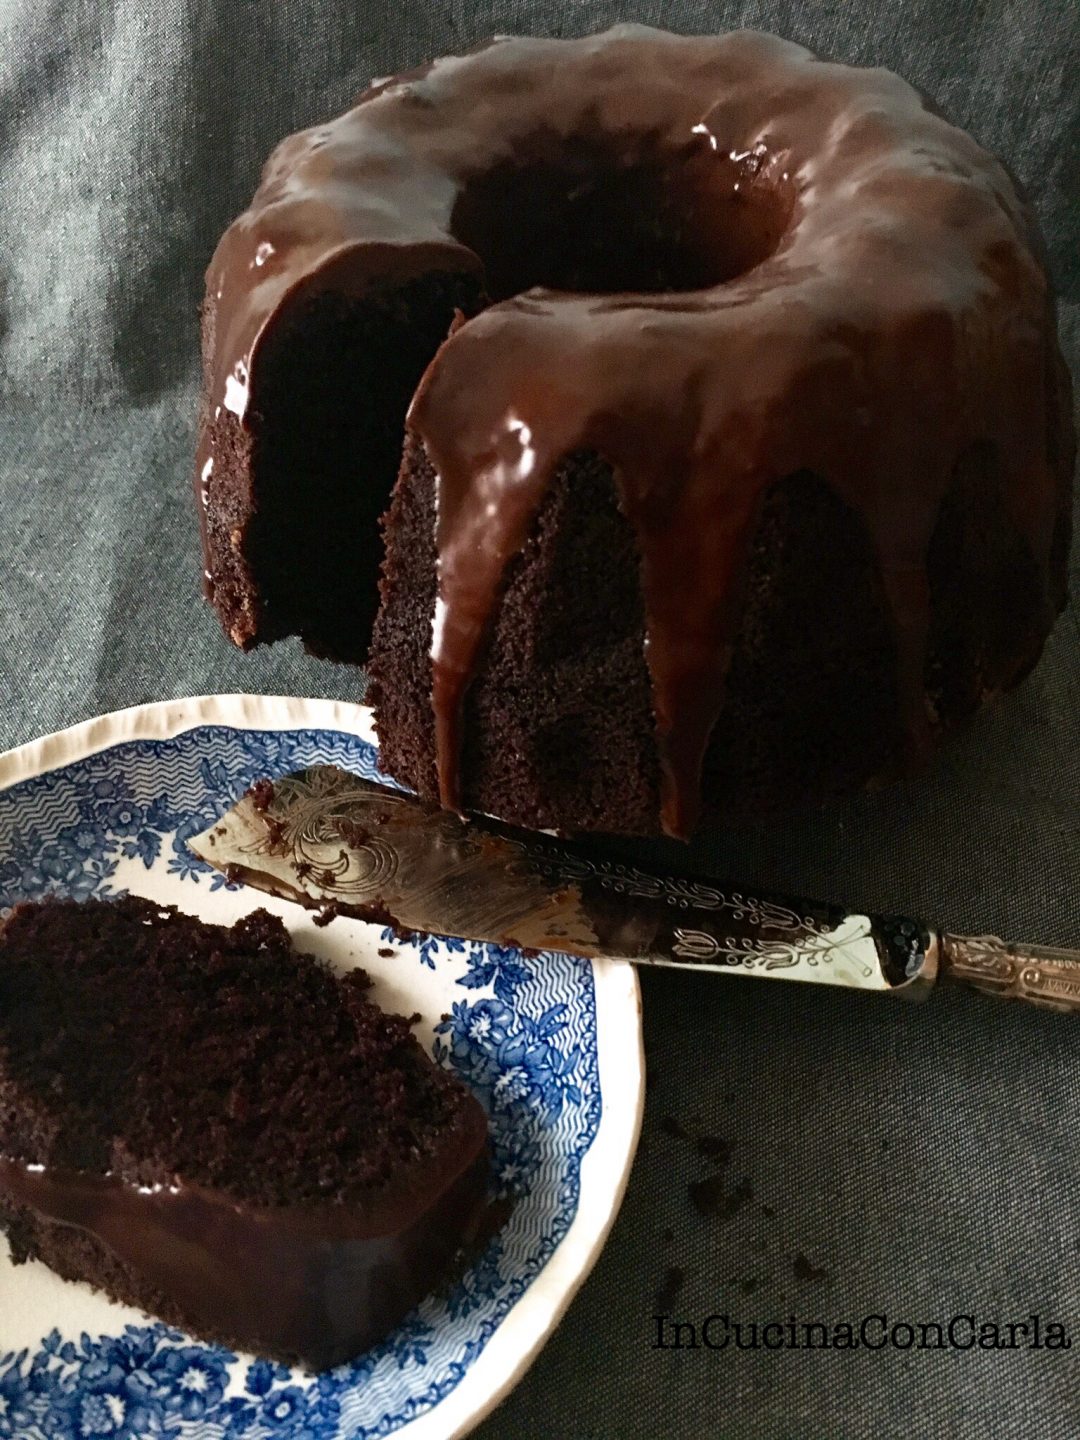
692, 922
1045, 975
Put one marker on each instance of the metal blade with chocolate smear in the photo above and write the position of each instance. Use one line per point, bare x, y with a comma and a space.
341, 844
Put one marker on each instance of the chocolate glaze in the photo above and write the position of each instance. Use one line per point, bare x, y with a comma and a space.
314, 1283
875, 309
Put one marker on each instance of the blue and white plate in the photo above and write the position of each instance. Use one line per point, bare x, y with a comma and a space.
550, 1044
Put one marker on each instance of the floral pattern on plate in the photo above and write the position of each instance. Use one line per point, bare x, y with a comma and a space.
522, 1033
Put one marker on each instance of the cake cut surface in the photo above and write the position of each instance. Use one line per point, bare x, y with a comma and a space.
208, 1125
748, 410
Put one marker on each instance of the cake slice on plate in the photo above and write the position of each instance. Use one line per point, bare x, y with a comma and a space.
203, 1123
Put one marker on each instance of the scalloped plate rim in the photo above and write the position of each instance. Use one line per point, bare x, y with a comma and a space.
518, 1340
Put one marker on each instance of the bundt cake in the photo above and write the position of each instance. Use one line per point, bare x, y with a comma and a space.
710, 397
170, 1133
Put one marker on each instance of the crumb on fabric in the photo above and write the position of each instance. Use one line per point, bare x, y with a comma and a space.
669, 1288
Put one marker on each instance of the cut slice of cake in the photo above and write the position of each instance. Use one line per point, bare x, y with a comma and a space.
204, 1123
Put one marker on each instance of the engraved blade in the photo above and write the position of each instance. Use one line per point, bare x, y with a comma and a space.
324, 837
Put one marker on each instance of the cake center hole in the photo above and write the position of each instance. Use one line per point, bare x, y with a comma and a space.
578, 215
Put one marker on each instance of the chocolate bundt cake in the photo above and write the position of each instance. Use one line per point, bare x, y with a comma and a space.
711, 398
205, 1124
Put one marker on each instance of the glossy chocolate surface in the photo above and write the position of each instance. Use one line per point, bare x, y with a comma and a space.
823, 274
318, 1283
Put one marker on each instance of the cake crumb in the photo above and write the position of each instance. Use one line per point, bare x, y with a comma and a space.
261, 795
804, 1270
709, 1197
670, 1286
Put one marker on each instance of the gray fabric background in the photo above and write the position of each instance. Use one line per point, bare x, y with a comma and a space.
925, 1158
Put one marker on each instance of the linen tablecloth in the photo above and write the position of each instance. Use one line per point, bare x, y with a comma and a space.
914, 1163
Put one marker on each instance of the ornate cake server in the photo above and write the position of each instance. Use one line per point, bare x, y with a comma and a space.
333, 841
